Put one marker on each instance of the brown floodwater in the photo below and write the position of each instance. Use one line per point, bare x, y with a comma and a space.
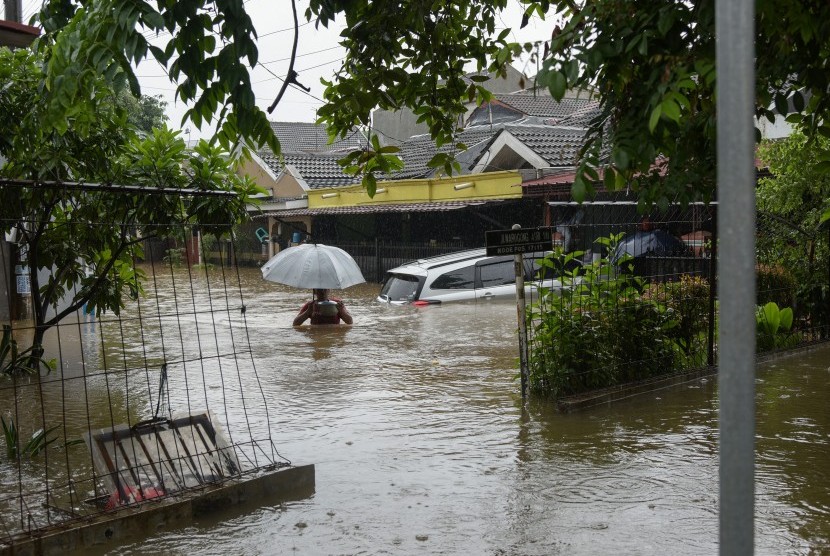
414, 422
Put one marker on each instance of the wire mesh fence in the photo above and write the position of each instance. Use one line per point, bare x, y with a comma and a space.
636, 299
128, 382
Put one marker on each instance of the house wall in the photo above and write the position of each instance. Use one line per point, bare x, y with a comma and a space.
492, 185
283, 186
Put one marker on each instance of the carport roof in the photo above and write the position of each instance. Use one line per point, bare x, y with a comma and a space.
442, 206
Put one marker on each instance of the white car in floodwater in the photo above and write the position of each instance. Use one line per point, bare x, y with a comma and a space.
462, 276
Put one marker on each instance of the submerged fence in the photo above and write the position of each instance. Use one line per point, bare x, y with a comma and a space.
136, 380
638, 298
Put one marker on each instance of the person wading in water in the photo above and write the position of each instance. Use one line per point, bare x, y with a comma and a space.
323, 310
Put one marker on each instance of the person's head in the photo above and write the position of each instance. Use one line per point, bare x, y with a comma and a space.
321, 294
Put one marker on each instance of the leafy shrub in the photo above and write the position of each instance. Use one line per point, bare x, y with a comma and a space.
598, 329
687, 300
37, 443
775, 284
174, 256
774, 328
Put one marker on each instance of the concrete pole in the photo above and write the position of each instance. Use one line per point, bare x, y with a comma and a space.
734, 22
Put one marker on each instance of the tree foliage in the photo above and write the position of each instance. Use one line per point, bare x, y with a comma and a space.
145, 112
792, 201
87, 239
650, 63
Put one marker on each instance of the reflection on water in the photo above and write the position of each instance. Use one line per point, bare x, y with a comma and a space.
413, 419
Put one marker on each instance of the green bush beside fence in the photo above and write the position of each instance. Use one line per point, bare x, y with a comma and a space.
606, 327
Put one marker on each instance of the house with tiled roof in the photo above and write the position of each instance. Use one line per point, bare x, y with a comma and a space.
520, 105
396, 126
312, 194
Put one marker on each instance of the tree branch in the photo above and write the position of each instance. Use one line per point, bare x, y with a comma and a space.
80, 302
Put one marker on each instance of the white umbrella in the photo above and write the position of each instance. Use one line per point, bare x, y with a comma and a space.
313, 266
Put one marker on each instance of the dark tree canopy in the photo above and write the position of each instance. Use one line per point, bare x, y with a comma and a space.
651, 64
145, 112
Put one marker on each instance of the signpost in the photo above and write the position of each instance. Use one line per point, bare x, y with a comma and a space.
517, 241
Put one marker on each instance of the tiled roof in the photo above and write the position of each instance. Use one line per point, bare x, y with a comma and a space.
317, 169
308, 137
543, 105
417, 151
557, 145
581, 117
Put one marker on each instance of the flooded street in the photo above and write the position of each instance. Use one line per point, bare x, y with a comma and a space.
413, 420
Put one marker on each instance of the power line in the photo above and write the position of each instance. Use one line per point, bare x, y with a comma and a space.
302, 55
298, 71
282, 30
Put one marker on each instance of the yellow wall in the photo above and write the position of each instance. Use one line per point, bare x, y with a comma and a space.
491, 185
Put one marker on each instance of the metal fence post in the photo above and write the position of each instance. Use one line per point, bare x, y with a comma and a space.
378, 262
734, 26
713, 278
521, 316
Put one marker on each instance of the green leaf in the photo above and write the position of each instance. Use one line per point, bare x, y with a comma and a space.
579, 189
786, 318
370, 184
671, 109
781, 104
557, 84
655, 117
621, 158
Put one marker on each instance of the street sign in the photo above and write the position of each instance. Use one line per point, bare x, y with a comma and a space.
520, 240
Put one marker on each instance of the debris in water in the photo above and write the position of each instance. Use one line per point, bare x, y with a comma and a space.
421, 537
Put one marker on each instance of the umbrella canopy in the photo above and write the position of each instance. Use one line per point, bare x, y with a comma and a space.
313, 266
653, 243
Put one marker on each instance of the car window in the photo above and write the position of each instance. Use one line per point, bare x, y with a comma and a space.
400, 287
497, 274
461, 279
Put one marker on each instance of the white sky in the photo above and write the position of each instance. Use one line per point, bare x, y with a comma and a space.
318, 55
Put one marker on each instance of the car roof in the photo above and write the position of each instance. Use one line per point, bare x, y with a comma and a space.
419, 266
449, 258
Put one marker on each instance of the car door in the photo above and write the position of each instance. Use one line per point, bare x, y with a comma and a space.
495, 279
